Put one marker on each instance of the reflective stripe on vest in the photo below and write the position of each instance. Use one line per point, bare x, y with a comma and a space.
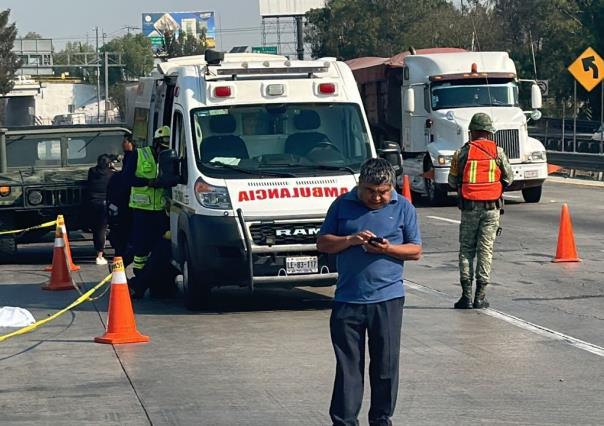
143, 197
481, 176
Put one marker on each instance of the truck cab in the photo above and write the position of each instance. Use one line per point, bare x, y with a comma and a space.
261, 146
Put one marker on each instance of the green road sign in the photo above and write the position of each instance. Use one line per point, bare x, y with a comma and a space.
265, 49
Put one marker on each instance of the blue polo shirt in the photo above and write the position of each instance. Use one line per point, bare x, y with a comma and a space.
366, 277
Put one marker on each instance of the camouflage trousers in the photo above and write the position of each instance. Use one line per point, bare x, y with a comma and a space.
477, 233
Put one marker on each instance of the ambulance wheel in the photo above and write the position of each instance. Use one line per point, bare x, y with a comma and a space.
196, 292
532, 195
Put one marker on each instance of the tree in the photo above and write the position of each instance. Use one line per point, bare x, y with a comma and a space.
353, 28
9, 62
550, 29
136, 55
32, 35
76, 53
184, 44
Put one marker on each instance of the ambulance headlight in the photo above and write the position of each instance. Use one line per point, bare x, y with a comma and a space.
537, 156
212, 197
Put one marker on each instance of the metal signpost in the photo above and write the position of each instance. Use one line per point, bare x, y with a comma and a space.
588, 70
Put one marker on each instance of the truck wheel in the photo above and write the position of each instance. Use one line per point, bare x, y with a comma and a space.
196, 291
532, 195
8, 248
436, 195
8, 243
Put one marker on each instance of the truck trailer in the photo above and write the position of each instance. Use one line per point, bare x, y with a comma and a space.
424, 100
260, 147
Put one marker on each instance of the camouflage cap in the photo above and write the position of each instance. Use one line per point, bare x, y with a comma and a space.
482, 121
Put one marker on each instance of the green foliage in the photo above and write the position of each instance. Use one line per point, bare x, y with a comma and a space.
32, 35
184, 44
9, 62
137, 57
76, 53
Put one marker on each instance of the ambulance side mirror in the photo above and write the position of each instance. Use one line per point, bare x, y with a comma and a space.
168, 168
391, 152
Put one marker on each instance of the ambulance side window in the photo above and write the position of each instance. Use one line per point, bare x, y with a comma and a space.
179, 144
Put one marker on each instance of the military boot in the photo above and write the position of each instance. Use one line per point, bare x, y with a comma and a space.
480, 301
465, 301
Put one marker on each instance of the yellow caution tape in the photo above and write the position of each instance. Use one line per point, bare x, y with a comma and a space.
83, 298
31, 228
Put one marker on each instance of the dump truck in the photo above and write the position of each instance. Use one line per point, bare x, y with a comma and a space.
424, 100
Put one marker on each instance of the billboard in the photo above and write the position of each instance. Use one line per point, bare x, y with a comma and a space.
270, 8
155, 24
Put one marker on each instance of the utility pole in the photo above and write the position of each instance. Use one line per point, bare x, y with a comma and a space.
106, 86
98, 78
299, 37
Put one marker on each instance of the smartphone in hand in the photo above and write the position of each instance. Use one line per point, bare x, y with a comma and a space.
376, 240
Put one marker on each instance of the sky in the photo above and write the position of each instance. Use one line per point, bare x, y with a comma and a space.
238, 22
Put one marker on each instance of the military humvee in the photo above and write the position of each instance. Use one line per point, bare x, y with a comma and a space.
43, 172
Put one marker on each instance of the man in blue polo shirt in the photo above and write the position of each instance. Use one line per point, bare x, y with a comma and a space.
372, 230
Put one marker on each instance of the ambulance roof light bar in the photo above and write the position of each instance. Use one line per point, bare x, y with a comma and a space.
271, 68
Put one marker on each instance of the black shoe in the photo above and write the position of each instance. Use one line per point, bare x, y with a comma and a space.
464, 302
481, 303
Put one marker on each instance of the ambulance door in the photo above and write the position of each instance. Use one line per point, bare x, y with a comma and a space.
180, 200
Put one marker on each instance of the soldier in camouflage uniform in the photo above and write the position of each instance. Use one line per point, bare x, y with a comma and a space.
480, 184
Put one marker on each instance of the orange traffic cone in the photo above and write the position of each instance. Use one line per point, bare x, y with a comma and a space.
60, 276
407, 189
121, 326
72, 266
567, 250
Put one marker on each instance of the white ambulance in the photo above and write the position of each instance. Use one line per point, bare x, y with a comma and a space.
261, 145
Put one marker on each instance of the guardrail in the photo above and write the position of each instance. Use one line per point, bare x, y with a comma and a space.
577, 160
581, 151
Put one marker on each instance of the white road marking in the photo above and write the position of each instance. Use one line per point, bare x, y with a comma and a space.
525, 325
443, 219
511, 196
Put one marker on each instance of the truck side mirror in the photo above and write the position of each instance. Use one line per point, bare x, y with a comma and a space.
168, 168
391, 152
410, 101
536, 101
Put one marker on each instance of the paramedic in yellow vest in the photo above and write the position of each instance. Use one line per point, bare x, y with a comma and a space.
147, 199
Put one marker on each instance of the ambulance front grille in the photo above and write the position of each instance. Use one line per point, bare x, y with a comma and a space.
264, 234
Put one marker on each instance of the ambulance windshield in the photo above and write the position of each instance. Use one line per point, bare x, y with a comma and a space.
299, 139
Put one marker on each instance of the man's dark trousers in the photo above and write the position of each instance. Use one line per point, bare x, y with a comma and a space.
350, 323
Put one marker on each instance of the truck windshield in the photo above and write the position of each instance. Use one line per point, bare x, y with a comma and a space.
456, 95
55, 150
294, 139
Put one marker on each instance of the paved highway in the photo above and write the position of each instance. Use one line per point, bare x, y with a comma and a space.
537, 357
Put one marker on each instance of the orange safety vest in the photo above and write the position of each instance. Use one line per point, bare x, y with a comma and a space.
481, 175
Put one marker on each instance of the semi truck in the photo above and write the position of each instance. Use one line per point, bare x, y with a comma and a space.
260, 147
424, 100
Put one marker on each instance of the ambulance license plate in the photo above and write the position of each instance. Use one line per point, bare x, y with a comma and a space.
531, 174
302, 265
